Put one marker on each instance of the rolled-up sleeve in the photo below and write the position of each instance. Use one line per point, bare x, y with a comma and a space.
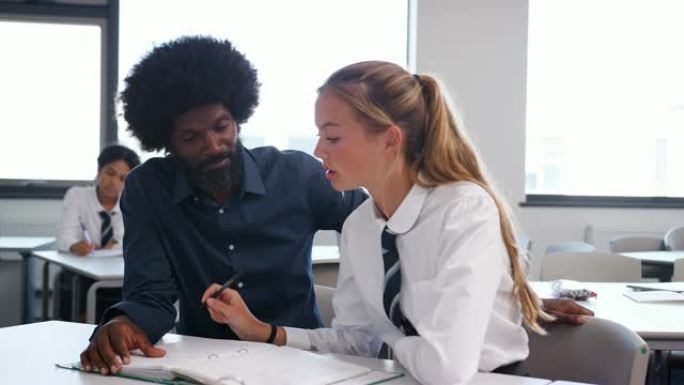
149, 288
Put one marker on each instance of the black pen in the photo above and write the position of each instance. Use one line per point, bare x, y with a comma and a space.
226, 285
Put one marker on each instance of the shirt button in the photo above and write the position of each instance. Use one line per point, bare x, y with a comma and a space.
221, 210
231, 247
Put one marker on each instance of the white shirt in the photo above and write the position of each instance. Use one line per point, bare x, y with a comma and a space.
456, 289
82, 206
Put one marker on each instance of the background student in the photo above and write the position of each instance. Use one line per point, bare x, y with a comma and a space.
429, 265
91, 218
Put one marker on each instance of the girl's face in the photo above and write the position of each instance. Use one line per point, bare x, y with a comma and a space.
110, 179
351, 156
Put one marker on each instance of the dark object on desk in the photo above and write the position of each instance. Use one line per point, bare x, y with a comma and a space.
63, 288
227, 284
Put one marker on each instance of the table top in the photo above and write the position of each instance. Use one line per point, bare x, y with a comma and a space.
652, 321
325, 254
28, 354
23, 243
110, 268
97, 268
657, 257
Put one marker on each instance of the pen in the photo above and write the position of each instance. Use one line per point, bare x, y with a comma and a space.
226, 285
86, 237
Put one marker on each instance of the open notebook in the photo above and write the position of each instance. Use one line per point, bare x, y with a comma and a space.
107, 253
223, 362
656, 292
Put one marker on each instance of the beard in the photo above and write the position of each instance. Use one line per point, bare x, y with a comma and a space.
220, 179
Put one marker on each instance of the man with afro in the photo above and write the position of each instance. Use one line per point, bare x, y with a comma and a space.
210, 208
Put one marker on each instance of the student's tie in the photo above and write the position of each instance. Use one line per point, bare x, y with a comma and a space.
392, 288
106, 229
392, 282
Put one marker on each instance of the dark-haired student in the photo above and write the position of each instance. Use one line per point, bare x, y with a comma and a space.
211, 207
93, 210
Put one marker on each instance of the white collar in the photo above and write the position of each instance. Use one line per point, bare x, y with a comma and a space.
407, 213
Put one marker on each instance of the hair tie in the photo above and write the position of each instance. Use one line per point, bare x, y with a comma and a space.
417, 77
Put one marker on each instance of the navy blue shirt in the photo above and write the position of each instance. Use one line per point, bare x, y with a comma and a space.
177, 242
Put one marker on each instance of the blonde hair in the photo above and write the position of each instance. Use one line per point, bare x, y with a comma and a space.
436, 150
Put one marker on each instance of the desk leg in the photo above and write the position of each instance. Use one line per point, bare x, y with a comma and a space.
75, 298
46, 290
91, 302
28, 291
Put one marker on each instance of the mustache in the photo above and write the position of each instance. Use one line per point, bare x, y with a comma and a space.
215, 159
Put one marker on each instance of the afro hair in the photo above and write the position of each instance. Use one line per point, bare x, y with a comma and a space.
180, 75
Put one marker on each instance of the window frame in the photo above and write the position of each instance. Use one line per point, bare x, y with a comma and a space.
107, 18
558, 199
551, 200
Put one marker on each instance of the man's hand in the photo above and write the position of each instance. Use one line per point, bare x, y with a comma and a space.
566, 311
110, 347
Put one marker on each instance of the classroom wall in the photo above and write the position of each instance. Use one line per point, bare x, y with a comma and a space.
479, 49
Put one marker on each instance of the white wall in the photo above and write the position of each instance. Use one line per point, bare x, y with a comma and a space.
479, 49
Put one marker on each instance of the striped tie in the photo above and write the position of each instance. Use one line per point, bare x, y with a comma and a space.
392, 289
392, 282
106, 229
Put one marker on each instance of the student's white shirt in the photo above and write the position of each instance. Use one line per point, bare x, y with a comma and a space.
82, 206
456, 289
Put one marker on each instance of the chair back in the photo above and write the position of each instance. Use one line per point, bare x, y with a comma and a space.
324, 296
591, 267
678, 273
598, 352
674, 239
566, 247
627, 243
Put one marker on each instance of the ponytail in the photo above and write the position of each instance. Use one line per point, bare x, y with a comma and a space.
447, 156
436, 150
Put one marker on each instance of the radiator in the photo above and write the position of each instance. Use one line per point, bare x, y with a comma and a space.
600, 237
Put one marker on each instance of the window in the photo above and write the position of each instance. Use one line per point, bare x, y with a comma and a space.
605, 98
294, 45
51, 117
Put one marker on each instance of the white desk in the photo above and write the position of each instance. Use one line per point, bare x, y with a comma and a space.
109, 272
661, 325
325, 254
656, 257
661, 262
106, 271
28, 354
24, 246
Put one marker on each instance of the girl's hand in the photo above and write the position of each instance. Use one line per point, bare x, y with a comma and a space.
230, 309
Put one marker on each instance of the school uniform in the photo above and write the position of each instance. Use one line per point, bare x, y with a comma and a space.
459, 313
82, 207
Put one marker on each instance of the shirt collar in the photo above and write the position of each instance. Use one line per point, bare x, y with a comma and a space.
407, 213
252, 182
98, 204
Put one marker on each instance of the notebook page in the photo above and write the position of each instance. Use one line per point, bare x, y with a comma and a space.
278, 365
655, 296
107, 253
